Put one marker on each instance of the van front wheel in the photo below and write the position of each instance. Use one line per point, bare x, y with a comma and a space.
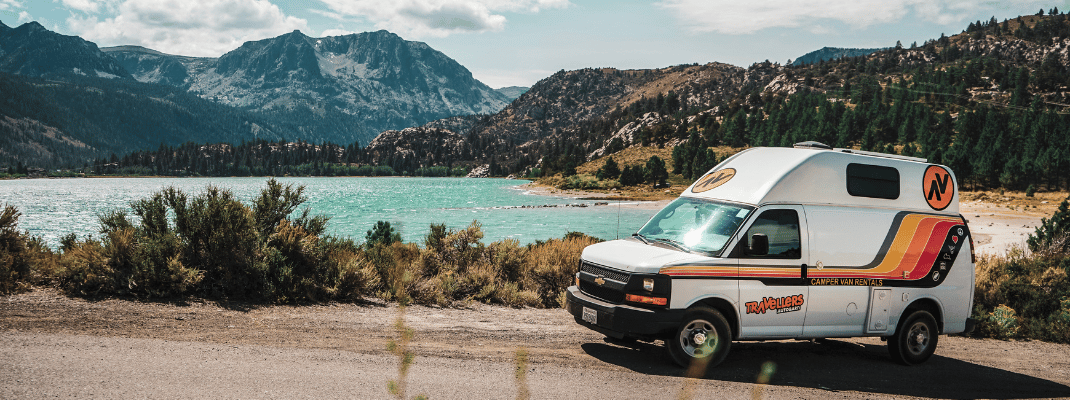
704, 337
914, 340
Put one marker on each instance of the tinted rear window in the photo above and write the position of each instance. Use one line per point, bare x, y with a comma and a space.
877, 181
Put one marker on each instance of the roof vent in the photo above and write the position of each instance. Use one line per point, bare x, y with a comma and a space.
812, 145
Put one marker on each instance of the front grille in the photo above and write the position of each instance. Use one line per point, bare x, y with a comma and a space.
604, 293
619, 276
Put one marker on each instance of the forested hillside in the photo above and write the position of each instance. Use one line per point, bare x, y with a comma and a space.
49, 123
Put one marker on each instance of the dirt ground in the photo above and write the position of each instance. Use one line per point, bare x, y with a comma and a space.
51, 344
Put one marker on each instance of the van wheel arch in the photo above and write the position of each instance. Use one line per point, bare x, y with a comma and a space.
725, 308
926, 304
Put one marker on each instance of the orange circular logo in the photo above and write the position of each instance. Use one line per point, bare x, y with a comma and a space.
713, 179
937, 187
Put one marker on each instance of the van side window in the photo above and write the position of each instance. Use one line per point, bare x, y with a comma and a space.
877, 181
781, 227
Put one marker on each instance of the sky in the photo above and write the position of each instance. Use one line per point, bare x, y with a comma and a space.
518, 42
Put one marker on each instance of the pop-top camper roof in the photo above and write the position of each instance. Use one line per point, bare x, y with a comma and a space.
810, 174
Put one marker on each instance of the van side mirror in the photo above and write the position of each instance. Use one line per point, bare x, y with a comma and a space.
759, 244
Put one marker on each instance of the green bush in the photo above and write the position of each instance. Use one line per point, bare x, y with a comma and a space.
382, 233
216, 246
1053, 234
552, 267
212, 245
14, 263
1003, 322
1023, 295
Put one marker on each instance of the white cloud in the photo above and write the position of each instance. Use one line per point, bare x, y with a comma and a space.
744, 17
9, 4
89, 6
336, 32
438, 18
187, 27
328, 14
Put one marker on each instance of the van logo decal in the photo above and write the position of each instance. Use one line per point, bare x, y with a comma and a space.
713, 180
937, 187
779, 304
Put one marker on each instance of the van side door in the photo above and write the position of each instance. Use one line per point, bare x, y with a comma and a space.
844, 241
772, 293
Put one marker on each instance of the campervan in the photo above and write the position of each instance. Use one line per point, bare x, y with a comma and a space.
808, 242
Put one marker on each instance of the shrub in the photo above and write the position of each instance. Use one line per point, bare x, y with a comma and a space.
14, 263
1053, 234
296, 265
214, 245
382, 233
398, 267
1022, 295
86, 269
552, 266
1003, 322
581, 182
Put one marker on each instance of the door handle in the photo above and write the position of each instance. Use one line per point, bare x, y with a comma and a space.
804, 273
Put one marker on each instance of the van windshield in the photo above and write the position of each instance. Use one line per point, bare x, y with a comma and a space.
695, 225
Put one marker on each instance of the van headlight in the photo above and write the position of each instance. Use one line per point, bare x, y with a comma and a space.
648, 284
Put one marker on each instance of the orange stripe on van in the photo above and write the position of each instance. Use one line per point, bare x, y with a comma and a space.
914, 249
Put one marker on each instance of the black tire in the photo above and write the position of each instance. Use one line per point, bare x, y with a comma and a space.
707, 327
915, 339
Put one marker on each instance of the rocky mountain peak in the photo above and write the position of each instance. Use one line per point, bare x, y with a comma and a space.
31, 49
288, 57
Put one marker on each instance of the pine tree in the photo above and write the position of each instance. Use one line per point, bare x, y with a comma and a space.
1053, 233
609, 170
656, 172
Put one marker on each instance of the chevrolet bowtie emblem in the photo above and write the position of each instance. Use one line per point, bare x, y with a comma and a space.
599, 281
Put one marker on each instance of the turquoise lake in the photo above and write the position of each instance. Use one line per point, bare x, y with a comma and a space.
52, 208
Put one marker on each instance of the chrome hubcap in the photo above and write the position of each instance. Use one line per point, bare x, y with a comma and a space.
918, 338
698, 339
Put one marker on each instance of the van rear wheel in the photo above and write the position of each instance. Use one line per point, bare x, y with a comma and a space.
914, 340
704, 337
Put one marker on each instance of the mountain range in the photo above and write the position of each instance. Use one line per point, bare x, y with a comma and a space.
341, 89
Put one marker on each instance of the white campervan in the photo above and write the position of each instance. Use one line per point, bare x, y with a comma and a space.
790, 243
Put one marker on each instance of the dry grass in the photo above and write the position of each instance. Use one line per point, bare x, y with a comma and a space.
630, 157
670, 80
1041, 204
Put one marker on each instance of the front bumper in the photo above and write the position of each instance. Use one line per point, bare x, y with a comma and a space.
620, 321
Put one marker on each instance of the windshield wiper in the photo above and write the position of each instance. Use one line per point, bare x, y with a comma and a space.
673, 243
641, 238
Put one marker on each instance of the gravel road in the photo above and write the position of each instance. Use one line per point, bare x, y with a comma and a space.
55, 346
